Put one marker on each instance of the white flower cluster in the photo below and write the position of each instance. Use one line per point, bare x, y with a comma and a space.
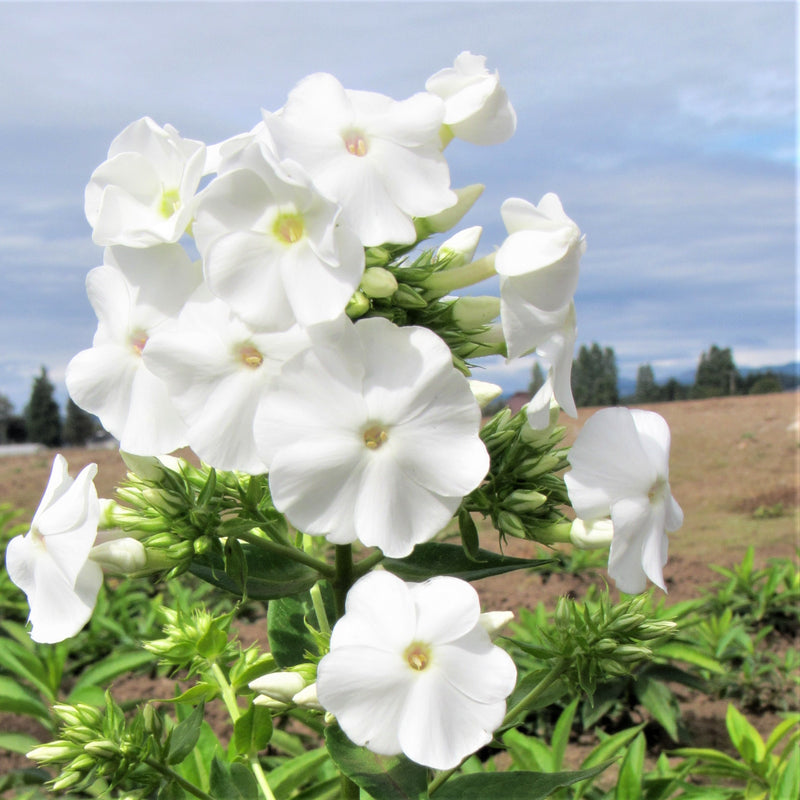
367, 430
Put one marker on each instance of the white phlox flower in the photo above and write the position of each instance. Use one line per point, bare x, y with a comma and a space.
110, 379
50, 563
273, 247
217, 369
378, 157
413, 670
477, 108
372, 434
620, 469
538, 266
143, 193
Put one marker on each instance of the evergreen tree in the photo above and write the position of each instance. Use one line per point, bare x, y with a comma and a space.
673, 390
537, 379
594, 377
762, 383
6, 413
716, 374
79, 426
647, 390
42, 416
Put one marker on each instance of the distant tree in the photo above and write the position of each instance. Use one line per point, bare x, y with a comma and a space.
673, 390
537, 379
716, 374
42, 417
762, 383
16, 430
79, 426
6, 413
594, 377
647, 390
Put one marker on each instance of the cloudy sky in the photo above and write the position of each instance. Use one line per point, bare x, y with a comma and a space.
667, 129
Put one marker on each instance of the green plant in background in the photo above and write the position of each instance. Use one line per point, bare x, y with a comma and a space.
764, 770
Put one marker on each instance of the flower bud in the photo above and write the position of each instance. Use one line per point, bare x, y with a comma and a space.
493, 621
279, 686
510, 524
521, 500
357, 305
633, 652
378, 282
593, 534
450, 217
470, 313
150, 468
162, 501
307, 698
102, 748
406, 297
52, 752
66, 781
485, 392
460, 248
120, 555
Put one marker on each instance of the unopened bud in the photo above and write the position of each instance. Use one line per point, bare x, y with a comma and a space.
279, 686
150, 468
378, 282
460, 248
633, 652
494, 621
509, 523
52, 752
307, 698
450, 217
102, 748
521, 500
120, 555
67, 781
485, 392
470, 312
357, 305
162, 501
406, 297
591, 534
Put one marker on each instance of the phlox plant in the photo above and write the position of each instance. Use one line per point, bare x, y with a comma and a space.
317, 360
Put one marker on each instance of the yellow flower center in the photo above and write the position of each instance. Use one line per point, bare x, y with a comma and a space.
138, 341
355, 143
170, 202
418, 656
375, 436
289, 228
657, 490
250, 356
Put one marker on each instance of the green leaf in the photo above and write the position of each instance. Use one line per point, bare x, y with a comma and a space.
289, 638
113, 665
20, 661
745, 737
629, 782
787, 783
561, 732
200, 692
184, 736
437, 558
512, 785
283, 780
18, 699
236, 564
680, 651
528, 752
780, 730
469, 535
171, 791
196, 767
382, 777
659, 701
232, 782
269, 575
252, 731
18, 742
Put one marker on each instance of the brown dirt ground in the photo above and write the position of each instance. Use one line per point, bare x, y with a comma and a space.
730, 457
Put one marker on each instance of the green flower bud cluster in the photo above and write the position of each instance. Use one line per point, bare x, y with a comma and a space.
96, 746
194, 639
181, 513
598, 640
522, 493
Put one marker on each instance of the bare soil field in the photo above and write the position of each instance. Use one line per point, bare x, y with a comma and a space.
732, 459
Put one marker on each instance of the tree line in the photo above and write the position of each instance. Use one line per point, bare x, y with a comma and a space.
41, 420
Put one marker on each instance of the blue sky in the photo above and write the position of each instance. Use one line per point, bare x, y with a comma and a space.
668, 130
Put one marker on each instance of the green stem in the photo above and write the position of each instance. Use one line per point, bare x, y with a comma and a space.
344, 577
164, 770
555, 673
366, 564
319, 609
229, 698
445, 281
322, 567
